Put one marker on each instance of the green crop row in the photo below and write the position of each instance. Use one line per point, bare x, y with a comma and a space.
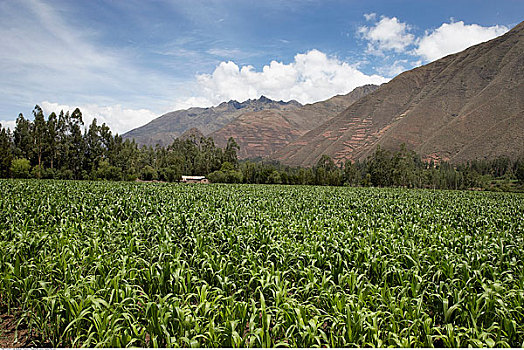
168, 265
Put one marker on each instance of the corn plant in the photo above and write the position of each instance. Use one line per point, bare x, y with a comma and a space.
93, 264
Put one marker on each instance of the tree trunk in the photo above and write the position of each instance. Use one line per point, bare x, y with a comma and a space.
39, 162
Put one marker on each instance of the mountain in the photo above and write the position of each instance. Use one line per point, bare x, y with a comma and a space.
191, 134
261, 133
461, 107
164, 129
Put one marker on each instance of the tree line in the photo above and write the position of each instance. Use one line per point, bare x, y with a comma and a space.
62, 147
402, 168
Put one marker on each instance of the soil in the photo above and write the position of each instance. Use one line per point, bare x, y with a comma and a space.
10, 337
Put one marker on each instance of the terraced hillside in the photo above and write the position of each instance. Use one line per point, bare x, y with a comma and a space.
464, 106
259, 134
164, 129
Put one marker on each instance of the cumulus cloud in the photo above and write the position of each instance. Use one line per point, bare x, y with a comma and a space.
119, 119
454, 37
311, 77
388, 34
395, 41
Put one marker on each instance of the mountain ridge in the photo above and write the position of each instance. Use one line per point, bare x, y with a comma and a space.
438, 110
261, 133
164, 129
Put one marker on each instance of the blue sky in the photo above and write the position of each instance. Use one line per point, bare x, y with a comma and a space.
126, 62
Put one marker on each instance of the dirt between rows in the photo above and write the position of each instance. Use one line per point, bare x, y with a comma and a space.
10, 337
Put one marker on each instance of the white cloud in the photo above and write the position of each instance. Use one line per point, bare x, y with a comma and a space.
194, 101
41, 49
43, 55
311, 77
119, 119
8, 124
223, 52
394, 69
454, 37
386, 35
395, 38
370, 16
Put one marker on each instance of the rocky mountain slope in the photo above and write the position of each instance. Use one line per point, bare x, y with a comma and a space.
261, 133
164, 129
191, 134
464, 106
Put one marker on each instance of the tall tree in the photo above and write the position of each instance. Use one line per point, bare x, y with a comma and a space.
38, 132
351, 173
93, 147
230, 152
52, 139
76, 150
63, 140
519, 173
403, 171
380, 167
6, 154
326, 172
22, 138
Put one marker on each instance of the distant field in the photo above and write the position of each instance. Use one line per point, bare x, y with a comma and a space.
128, 264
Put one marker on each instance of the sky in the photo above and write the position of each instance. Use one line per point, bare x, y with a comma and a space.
126, 62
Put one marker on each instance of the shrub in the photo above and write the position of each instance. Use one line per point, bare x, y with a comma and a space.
20, 168
148, 173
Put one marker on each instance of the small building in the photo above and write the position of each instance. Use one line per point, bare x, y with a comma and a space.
194, 179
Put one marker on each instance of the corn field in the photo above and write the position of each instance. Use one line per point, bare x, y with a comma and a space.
99, 264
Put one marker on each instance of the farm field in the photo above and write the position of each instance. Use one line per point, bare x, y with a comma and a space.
166, 265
